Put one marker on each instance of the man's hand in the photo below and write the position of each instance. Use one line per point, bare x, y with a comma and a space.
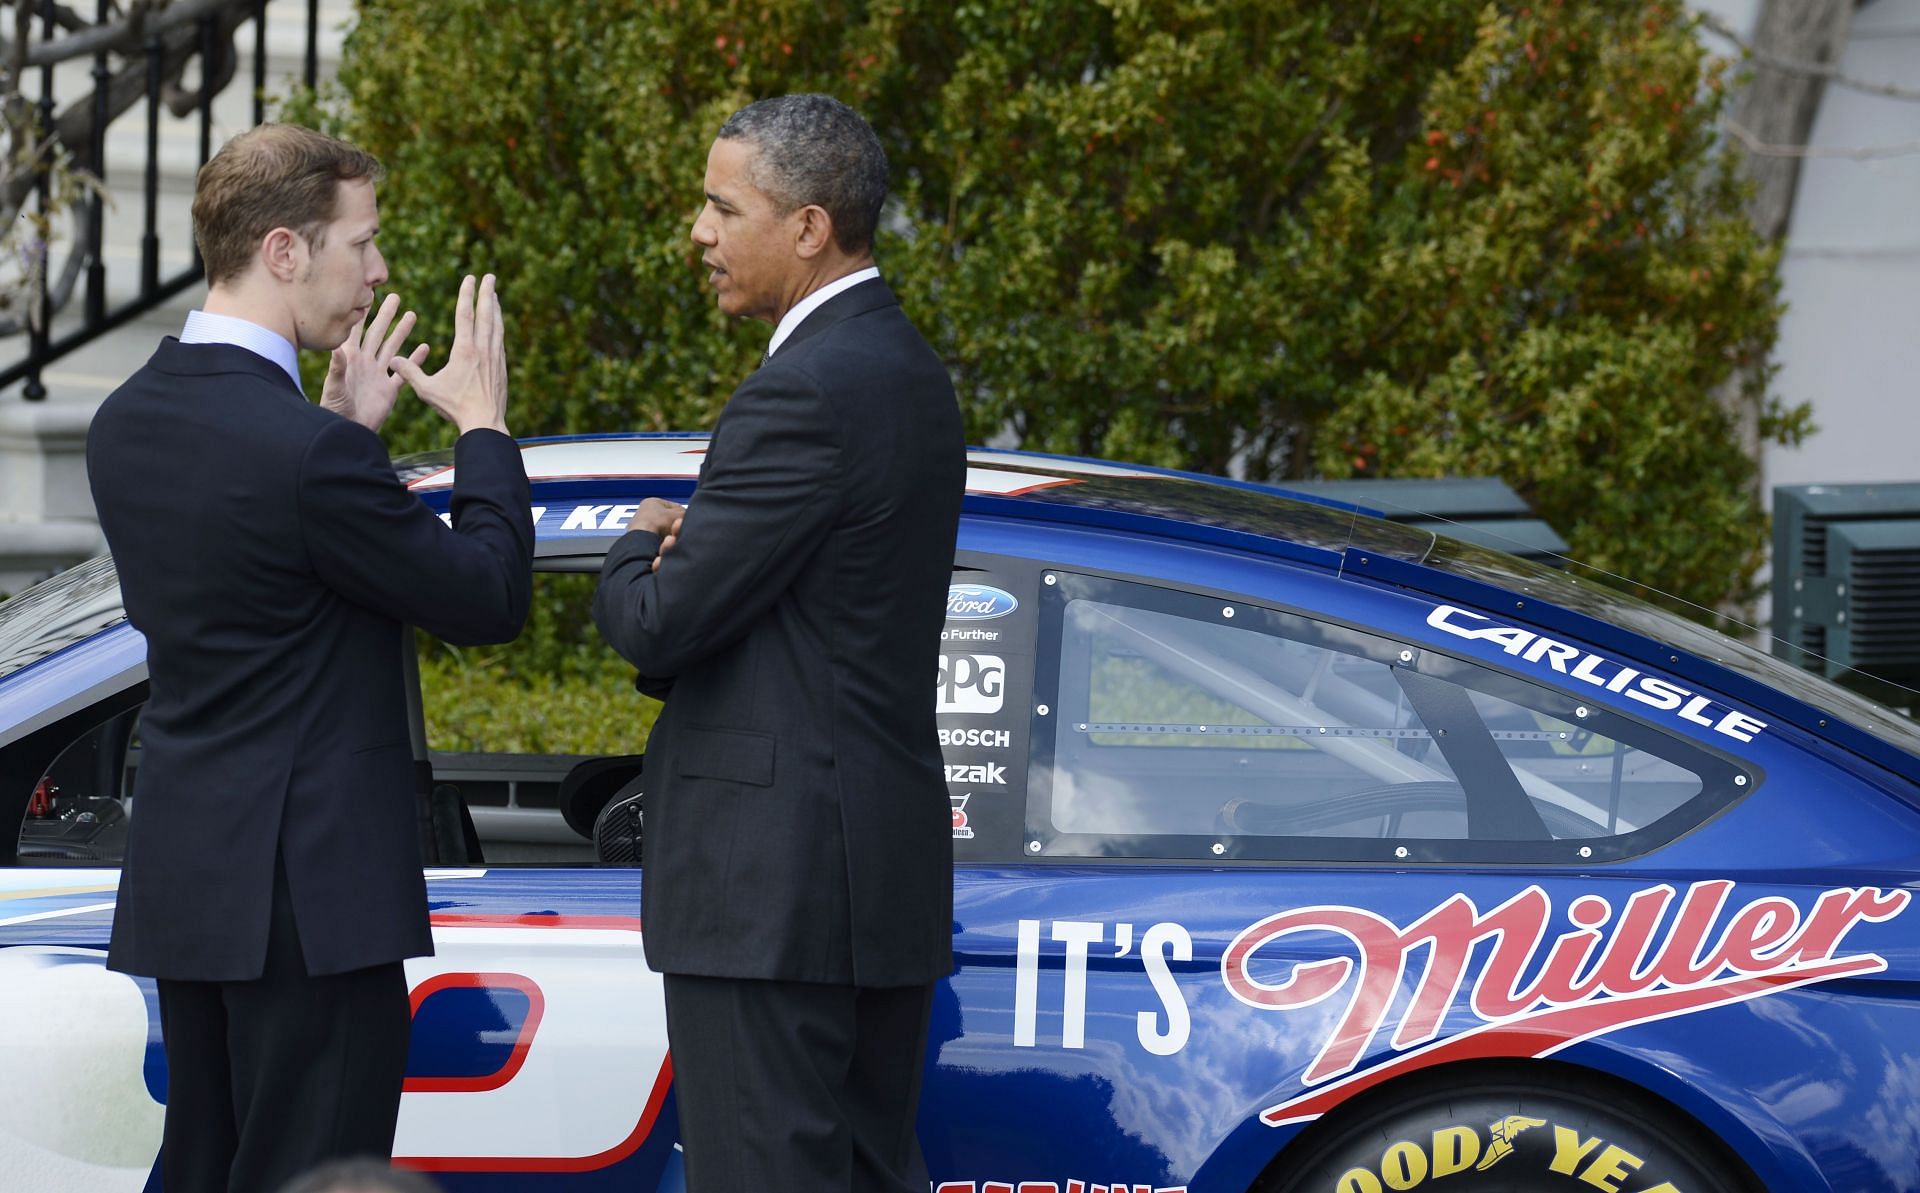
471, 388
657, 515
360, 382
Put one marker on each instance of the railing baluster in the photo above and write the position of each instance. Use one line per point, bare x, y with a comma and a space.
97, 206
150, 242
88, 222
209, 46
39, 310
313, 44
260, 61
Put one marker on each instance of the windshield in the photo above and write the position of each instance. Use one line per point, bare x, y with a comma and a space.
54, 614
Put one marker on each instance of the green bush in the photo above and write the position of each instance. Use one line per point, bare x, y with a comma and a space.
556, 689
1403, 238
478, 701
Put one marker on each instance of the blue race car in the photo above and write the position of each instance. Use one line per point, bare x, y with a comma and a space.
1297, 850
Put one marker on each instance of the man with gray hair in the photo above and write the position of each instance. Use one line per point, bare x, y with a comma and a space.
798, 877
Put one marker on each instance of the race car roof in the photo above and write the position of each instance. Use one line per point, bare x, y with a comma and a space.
1272, 520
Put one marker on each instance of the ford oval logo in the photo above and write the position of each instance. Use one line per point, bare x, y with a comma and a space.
978, 602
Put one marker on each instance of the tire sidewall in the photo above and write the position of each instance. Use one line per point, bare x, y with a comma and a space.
1555, 1139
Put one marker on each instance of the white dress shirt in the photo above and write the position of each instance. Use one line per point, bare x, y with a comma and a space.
812, 303
205, 328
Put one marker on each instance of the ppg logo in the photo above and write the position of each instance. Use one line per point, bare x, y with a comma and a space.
978, 602
971, 683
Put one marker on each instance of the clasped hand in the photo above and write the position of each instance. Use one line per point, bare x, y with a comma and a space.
657, 515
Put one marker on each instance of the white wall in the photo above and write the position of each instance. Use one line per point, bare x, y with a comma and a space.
1850, 340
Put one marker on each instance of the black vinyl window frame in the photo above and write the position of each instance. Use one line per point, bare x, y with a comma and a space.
1724, 779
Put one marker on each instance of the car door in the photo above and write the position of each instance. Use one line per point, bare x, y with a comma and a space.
1280, 840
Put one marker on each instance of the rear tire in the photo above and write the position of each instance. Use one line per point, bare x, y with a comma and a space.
1493, 1129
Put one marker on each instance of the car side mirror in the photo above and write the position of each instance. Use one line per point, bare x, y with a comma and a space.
616, 831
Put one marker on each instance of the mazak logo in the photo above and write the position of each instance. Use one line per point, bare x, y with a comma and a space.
962, 831
1661, 953
983, 774
971, 683
978, 602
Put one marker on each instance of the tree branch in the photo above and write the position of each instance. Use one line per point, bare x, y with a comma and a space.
1858, 153
1830, 72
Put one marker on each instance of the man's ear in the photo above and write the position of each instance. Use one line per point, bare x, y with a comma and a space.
284, 253
816, 232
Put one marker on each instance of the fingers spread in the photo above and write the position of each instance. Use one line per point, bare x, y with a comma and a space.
400, 332
377, 330
463, 316
486, 310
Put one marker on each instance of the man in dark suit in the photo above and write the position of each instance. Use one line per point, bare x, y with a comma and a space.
273, 876
798, 879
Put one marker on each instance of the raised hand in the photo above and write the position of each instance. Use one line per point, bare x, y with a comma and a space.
471, 388
361, 384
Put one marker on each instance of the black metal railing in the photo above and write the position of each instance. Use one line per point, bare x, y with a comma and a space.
141, 53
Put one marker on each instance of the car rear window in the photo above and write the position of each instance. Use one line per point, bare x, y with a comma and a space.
54, 614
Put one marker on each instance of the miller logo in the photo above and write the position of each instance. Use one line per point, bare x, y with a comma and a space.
1536, 995
962, 831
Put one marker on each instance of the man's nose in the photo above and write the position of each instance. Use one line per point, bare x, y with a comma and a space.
703, 232
377, 270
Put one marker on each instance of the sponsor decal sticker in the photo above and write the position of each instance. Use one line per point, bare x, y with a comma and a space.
978, 602
962, 830
1533, 995
971, 683
1552, 1148
1661, 695
989, 739
1072, 1186
969, 634
980, 774
1656, 953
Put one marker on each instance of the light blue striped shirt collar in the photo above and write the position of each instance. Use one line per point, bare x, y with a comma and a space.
814, 302
205, 328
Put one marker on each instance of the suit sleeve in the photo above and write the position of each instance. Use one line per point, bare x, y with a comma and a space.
766, 501
372, 541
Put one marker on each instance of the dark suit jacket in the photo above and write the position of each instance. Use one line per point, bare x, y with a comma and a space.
270, 557
797, 823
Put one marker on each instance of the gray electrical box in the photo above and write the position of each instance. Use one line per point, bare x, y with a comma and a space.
1846, 581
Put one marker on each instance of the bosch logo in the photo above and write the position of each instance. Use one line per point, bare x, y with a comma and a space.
992, 739
978, 602
971, 683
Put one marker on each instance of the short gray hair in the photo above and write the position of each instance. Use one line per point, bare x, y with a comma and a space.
815, 150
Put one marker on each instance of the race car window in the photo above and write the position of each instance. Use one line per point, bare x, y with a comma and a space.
1188, 727
79, 806
506, 726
